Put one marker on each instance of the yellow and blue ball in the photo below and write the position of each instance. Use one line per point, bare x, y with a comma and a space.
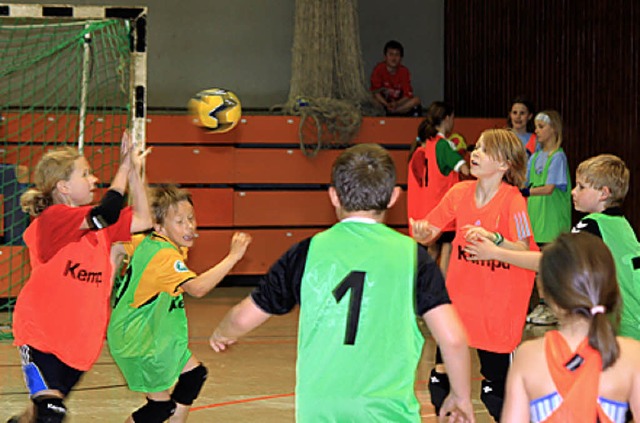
216, 110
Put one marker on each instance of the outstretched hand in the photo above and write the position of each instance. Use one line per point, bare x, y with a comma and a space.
422, 231
456, 410
472, 232
481, 249
239, 244
220, 343
132, 156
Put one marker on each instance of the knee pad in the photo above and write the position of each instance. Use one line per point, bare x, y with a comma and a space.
154, 411
438, 388
49, 409
492, 395
189, 385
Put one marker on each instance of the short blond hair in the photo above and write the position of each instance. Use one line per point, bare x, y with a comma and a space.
504, 144
606, 170
165, 196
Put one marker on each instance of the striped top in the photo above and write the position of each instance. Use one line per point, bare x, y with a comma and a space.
541, 408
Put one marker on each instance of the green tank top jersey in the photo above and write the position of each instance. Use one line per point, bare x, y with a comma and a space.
149, 343
619, 236
550, 215
359, 343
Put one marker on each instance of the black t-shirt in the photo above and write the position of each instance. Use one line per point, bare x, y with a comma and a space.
279, 290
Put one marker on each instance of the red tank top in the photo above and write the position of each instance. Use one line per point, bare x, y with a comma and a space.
426, 185
64, 307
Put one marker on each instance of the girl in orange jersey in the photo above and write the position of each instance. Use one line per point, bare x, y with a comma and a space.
581, 372
491, 297
61, 314
434, 167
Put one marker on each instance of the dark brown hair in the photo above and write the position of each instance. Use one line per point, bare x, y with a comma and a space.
364, 177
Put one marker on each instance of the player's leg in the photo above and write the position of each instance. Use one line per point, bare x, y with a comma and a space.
438, 383
494, 368
445, 255
188, 388
49, 381
445, 247
406, 105
158, 409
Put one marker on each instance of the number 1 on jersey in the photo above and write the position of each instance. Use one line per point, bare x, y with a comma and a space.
354, 281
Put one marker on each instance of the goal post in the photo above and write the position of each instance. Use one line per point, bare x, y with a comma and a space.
69, 75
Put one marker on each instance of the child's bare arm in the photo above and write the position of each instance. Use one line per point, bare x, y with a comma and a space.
483, 249
142, 218
240, 320
447, 329
542, 190
205, 282
423, 232
516, 405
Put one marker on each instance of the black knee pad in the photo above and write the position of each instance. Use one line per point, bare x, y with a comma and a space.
438, 388
189, 385
154, 411
49, 409
492, 395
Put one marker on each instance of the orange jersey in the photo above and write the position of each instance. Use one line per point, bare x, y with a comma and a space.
531, 144
426, 185
165, 272
578, 384
490, 296
64, 308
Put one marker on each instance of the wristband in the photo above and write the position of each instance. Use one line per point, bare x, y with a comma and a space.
499, 238
525, 192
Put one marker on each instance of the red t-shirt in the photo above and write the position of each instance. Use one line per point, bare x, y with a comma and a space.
393, 86
63, 309
490, 296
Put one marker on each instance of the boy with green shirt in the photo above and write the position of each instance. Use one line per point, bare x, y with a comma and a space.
359, 285
148, 332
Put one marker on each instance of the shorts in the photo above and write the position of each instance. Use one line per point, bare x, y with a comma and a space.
446, 237
44, 371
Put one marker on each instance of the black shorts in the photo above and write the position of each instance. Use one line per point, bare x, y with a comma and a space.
446, 237
44, 371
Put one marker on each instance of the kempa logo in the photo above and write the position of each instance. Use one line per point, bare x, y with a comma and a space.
493, 264
82, 275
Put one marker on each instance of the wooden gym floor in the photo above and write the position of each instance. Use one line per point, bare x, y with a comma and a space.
253, 381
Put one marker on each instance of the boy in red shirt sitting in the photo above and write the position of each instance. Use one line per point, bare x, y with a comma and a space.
391, 83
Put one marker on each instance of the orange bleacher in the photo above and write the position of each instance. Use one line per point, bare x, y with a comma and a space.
256, 179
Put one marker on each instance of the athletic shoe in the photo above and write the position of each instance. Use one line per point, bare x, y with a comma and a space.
545, 317
539, 309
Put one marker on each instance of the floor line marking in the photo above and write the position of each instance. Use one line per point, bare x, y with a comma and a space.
242, 401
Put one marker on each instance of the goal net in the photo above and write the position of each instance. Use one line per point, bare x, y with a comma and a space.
69, 75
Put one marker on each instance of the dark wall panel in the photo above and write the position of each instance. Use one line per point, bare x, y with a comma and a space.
580, 57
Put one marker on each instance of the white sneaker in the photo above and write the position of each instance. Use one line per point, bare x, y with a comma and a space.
539, 309
545, 317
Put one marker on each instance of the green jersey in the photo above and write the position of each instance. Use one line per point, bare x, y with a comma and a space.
359, 343
619, 236
550, 215
149, 341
